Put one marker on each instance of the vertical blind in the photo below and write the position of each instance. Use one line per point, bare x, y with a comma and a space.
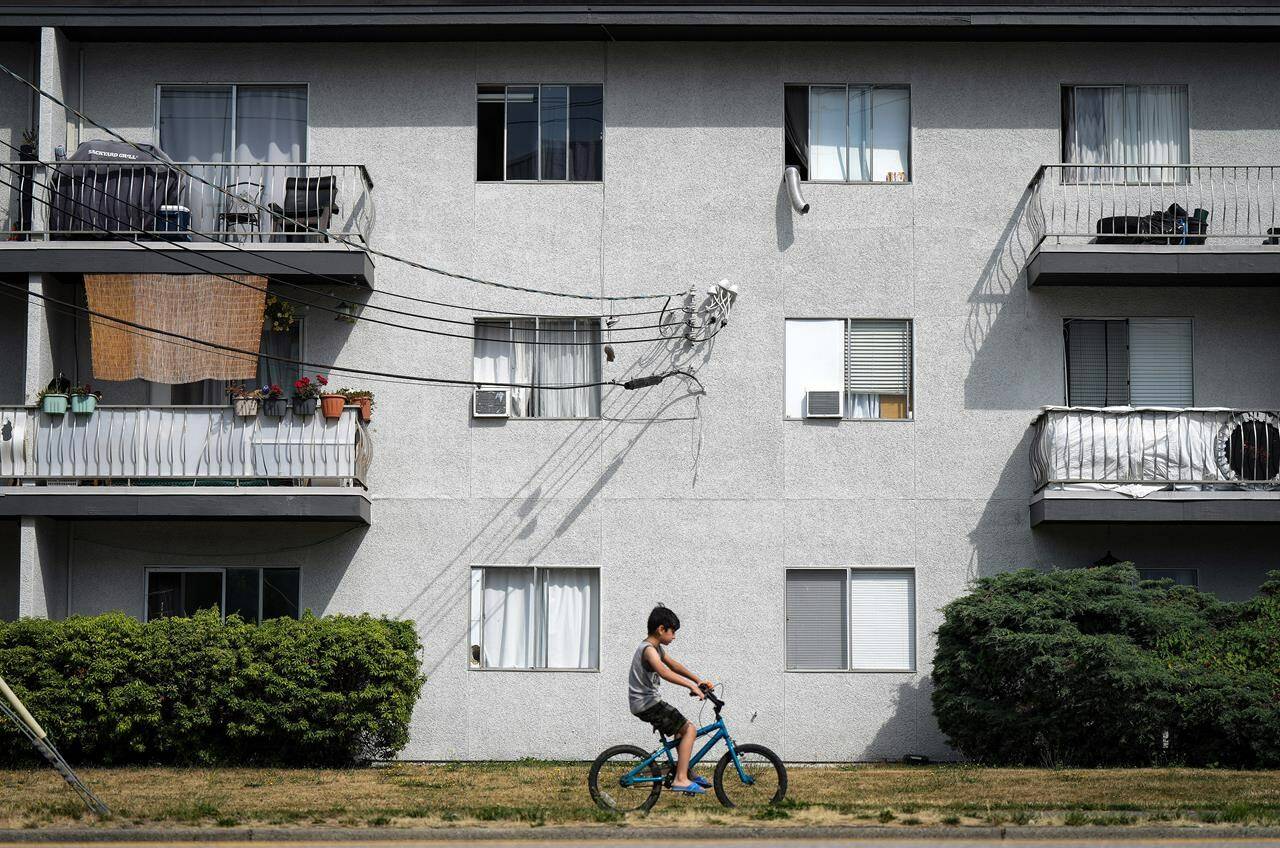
878, 357
817, 633
1139, 362
882, 614
1097, 362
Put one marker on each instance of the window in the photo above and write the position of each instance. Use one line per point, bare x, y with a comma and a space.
1128, 362
233, 123
541, 352
535, 617
841, 619
1179, 576
1126, 125
848, 133
868, 359
255, 594
540, 132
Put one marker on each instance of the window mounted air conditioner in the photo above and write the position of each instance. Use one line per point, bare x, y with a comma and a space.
824, 403
491, 403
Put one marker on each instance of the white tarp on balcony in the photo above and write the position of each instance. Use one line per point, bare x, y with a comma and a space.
198, 306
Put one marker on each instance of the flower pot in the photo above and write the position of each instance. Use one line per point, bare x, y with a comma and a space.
275, 407
84, 404
366, 408
54, 404
246, 407
304, 406
331, 405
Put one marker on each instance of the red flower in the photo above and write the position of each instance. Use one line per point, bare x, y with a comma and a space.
275, 390
322, 380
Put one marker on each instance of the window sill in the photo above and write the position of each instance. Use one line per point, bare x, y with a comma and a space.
858, 182
541, 182
538, 670
849, 671
850, 420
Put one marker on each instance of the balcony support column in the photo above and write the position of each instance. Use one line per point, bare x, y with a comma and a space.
47, 335
43, 570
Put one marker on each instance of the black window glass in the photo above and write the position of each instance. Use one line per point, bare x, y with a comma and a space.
164, 594
796, 128
490, 112
522, 132
242, 593
280, 590
555, 132
201, 590
586, 132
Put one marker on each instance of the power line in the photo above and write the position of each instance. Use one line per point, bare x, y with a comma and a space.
293, 221
338, 313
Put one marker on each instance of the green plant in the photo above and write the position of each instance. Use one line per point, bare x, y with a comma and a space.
355, 394
84, 390
110, 689
241, 393
279, 314
1091, 667
305, 387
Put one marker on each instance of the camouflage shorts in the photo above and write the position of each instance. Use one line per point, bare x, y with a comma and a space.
665, 718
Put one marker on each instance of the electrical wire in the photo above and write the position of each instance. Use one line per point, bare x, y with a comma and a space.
307, 228
339, 313
122, 236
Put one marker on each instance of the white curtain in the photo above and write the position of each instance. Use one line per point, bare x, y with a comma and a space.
890, 132
572, 616
860, 133
1128, 125
510, 633
864, 405
828, 110
576, 360
271, 126
1162, 134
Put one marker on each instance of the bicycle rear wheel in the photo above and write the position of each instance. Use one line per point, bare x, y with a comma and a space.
766, 778
605, 780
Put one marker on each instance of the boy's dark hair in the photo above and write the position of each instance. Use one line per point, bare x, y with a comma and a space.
663, 617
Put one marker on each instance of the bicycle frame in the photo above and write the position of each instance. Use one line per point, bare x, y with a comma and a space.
718, 730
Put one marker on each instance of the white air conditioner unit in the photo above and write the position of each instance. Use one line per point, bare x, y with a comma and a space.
488, 402
824, 403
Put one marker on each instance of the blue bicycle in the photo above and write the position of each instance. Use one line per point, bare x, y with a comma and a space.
626, 778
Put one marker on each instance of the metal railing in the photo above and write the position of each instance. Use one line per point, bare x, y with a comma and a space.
1149, 204
139, 444
253, 202
1121, 445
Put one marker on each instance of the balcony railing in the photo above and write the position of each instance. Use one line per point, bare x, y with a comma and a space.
1150, 204
196, 444
1151, 448
196, 201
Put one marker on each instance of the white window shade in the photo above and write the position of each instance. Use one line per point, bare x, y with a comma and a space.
817, 635
573, 618
882, 620
814, 359
878, 357
1160, 362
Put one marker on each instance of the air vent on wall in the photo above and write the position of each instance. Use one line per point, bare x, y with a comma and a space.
824, 403
491, 403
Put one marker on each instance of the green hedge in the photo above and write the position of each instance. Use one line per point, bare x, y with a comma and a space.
110, 689
1091, 667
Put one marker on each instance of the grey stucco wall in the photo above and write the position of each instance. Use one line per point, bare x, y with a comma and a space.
702, 503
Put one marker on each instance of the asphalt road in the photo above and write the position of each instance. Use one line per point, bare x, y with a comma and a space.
1106, 842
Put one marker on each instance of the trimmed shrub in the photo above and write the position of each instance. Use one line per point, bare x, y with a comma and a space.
110, 689
1091, 667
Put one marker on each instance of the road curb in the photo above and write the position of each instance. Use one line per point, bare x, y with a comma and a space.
612, 833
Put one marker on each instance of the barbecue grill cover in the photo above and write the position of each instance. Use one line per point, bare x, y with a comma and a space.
112, 186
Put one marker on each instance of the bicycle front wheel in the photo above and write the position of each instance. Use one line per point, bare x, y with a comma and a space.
765, 778
608, 790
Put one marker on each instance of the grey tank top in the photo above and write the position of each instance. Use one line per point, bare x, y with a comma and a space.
642, 682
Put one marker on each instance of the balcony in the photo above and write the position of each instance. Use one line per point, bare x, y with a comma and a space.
282, 220
1154, 465
183, 462
1185, 225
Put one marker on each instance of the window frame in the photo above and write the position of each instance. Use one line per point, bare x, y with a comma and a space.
1189, 165
1066, 374
604, 131
217, 569
599, 353
809, 86
155, 117
848, 581
911, 394
536, 568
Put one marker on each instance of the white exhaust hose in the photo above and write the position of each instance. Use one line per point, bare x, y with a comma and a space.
27, 718
791, 177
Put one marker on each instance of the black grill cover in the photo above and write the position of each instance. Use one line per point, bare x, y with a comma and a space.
112, 186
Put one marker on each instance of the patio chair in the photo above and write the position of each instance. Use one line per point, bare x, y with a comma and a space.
240, 220
308, 203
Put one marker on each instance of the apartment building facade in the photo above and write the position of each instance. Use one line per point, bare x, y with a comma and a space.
1009, 209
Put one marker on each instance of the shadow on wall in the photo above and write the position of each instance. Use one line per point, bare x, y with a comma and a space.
10, 554
901, 733
519, 519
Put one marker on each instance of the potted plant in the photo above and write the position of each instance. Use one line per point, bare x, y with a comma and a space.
280, 315
363, 399
274, 402
84, 400
52, 402
306, 394
244, 400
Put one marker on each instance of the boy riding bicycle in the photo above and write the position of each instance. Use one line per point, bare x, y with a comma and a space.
649, 665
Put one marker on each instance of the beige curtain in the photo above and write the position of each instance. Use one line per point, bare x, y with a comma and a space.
200, 306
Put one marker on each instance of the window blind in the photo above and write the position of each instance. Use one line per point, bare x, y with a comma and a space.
1160, 362
882, 614
817, 633
1097, 362
878, 357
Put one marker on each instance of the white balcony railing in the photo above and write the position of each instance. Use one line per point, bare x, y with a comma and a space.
1170, 205
1152, 448
253, 202
131, 444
